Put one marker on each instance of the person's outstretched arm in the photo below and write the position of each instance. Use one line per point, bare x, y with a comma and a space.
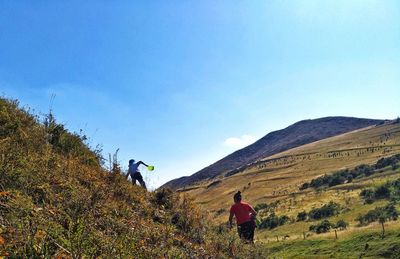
143, 163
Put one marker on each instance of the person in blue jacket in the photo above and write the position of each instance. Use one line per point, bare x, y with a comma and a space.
134, 172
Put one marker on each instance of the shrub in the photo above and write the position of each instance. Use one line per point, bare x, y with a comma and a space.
302, 216
388, 161
336, 180
382, 192
388, 212
261, 206
349, 178
347, 175
304, 186
389, 190
273, 221
164, 197
323, 227
341, 224
283, 220
368, 195
327, 210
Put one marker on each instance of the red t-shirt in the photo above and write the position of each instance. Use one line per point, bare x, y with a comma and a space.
242, 212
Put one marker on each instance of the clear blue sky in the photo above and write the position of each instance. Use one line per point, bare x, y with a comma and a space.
180, 84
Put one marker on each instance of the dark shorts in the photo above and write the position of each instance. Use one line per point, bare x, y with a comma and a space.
246, 231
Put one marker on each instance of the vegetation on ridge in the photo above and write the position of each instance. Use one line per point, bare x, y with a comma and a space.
347, 176
56, 199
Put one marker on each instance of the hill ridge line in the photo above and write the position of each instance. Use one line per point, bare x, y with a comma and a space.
298, 134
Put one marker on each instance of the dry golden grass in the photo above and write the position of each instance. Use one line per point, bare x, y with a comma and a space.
278, 177
57, 201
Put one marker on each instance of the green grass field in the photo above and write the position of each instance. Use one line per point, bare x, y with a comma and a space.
364, 244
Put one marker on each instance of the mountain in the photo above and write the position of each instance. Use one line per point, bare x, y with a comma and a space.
300, 133
345, 174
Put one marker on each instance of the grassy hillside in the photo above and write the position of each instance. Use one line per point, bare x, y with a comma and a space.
279, 176
298, 134
56, 200
301, 242
274, 182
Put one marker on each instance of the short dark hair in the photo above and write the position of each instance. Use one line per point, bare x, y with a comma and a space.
131, 161
237, 197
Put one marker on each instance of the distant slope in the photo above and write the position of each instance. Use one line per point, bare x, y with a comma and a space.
278, 177
298, 134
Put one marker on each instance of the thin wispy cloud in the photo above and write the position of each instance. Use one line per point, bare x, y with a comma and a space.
239, 142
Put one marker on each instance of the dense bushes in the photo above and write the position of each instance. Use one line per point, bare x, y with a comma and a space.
388, 212
341, 224
324, 226
273, 221
346, 176
327, 210
389, 190
336, 178
302, 216
388, 161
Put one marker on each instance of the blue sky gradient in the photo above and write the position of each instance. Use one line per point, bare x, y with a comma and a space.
180, 84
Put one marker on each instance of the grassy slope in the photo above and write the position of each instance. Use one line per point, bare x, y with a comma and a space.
348, 246
279, 176
295, 135
351, 241
57, 201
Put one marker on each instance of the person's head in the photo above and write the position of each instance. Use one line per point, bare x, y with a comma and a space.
131, 161
237, 197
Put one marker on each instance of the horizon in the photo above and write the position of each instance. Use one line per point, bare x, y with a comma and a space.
182, 85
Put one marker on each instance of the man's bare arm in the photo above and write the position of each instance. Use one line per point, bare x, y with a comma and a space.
230, 219
252, 211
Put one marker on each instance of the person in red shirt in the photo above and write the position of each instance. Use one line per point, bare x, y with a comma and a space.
245, 218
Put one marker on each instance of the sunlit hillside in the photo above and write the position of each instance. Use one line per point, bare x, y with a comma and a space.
279, 176
274, 183
57, 201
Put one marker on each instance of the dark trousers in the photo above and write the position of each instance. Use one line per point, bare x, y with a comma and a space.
138, 177
246, 231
